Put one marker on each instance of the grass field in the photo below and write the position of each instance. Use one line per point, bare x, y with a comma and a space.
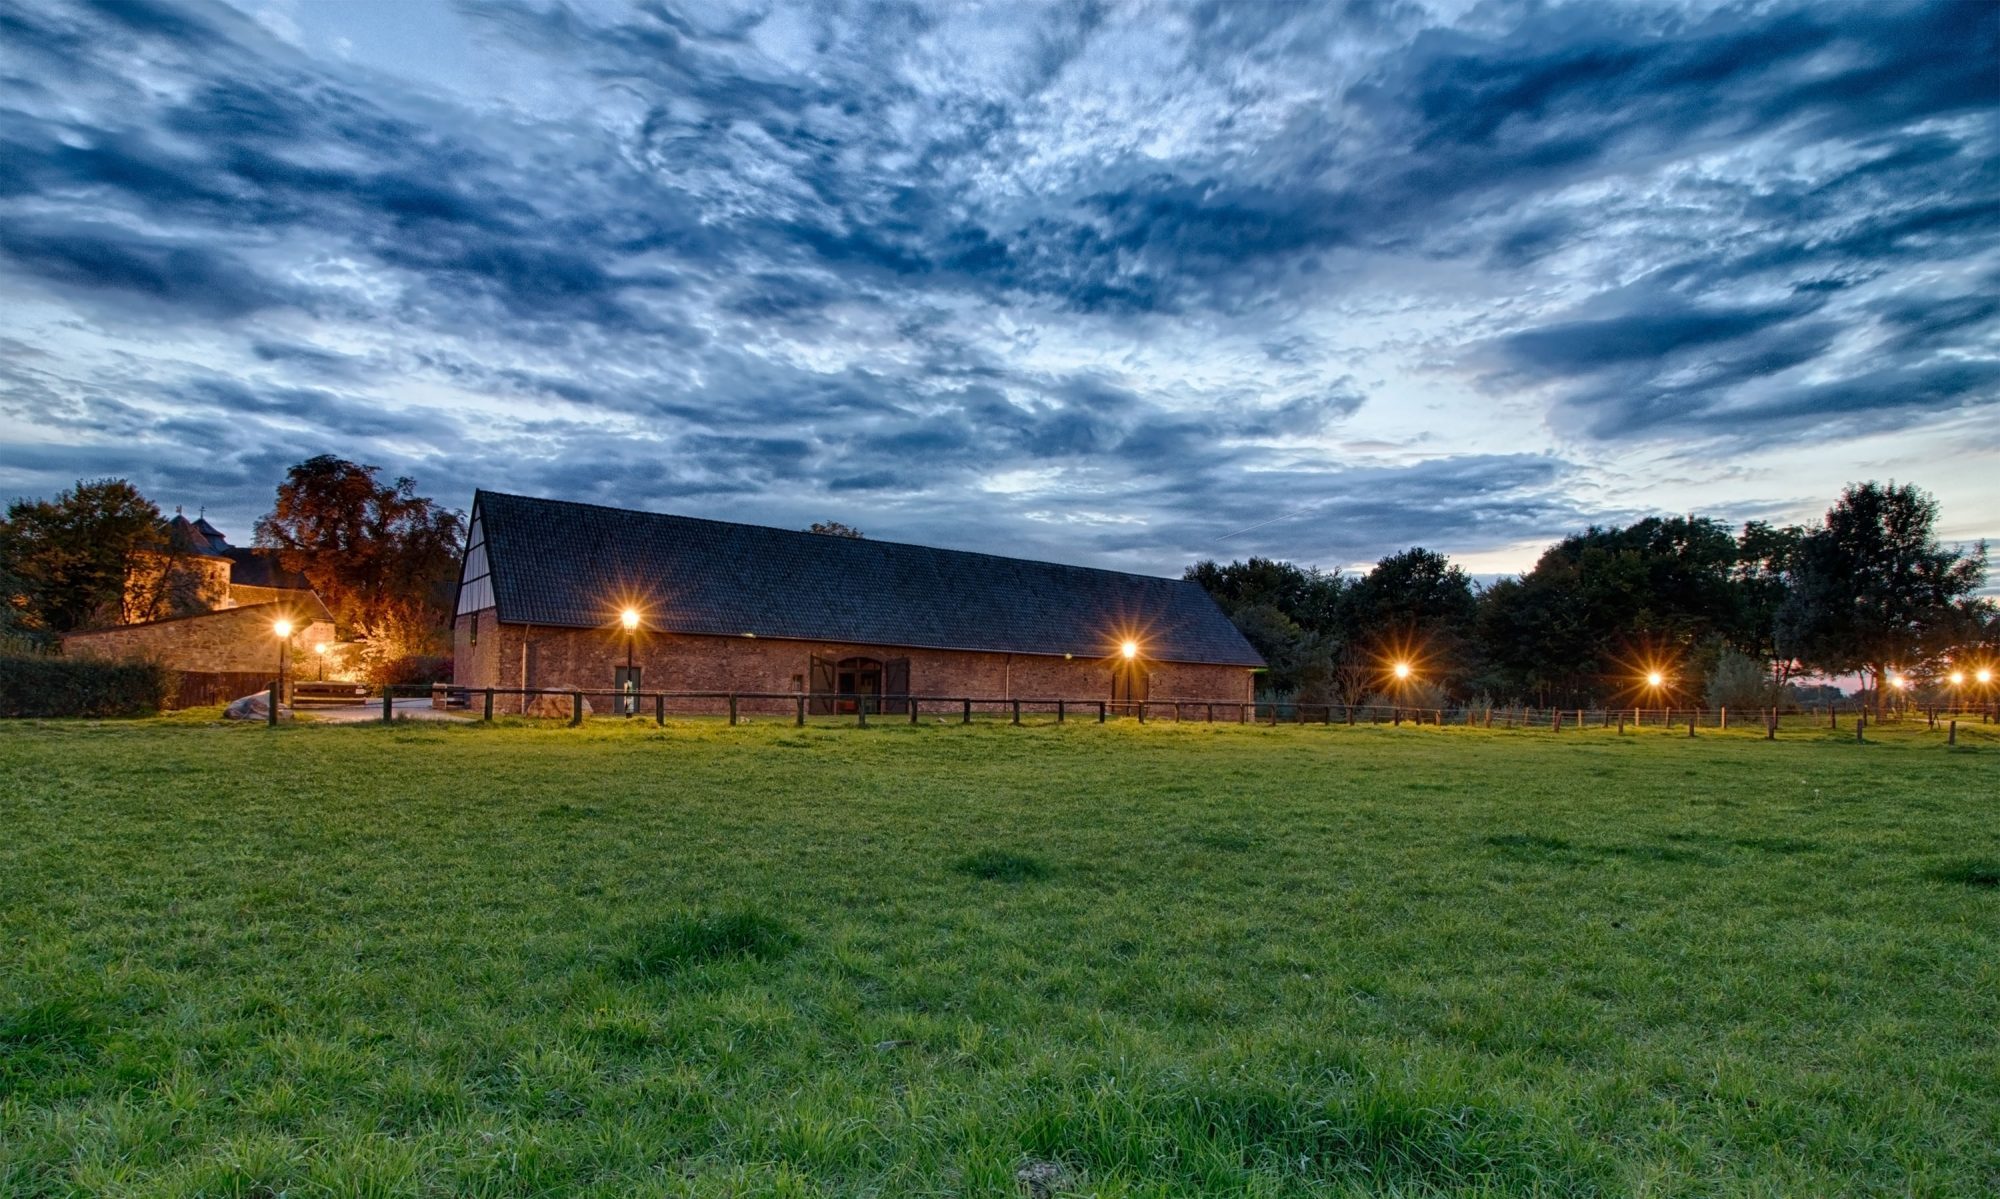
995, 961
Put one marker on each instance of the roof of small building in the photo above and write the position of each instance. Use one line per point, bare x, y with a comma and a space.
554, 562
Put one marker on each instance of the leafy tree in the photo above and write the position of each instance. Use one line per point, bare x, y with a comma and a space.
374, 551
1872, 588
1764, 553
1414, 605
63, 562
1602, 604
833, 528
1290, 613
1740, 681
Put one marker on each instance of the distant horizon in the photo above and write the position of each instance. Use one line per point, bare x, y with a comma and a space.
1134, 288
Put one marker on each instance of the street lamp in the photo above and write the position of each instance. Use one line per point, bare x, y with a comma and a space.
321, 649
1129, 650
630, 619
283, 629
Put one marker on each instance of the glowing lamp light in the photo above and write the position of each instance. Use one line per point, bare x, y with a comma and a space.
1899, 682
1958, 678
1984, 676
282, 628
1402, 670
1130, 649
1655, 678
321, 648
629, 618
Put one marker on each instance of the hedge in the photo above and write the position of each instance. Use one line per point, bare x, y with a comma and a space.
38, 685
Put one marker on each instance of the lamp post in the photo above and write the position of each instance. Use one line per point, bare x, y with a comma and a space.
630, 619
321, 649
1654, 681
283, 629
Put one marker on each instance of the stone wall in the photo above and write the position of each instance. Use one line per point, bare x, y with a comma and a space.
587, 658
234, 640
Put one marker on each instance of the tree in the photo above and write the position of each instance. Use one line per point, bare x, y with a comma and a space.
833, 528
1603, 604
374, 551
68, 557
1764, 554
1413, 606
1872, 588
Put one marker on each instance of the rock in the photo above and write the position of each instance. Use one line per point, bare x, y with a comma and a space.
555, 707
254, 706
1043, 1180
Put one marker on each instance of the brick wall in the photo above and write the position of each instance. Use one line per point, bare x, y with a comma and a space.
587, 658
234, 640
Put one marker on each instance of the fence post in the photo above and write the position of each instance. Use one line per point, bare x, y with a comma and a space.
1621, 722
1860, 724
1101, 706
967, 719
1397, 719
1489, 716
913, 709
1722, 718
1691, 716
1017, 711
1139, 707
800, 719
1951, 733
1061, 714
1242, 713
487, 715
1771, 726
388, 704
861, 712
575, 708
660, 710
271, 705
732, 709
1555, 720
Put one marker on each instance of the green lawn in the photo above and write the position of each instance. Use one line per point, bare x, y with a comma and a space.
917, 961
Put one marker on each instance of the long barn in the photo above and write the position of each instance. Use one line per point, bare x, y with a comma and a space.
554, 594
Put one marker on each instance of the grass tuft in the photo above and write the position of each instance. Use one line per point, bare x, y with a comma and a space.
1001, 866
692, 940
1530, 842
1984, 875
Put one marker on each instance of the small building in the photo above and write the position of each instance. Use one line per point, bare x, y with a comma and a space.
847, 622
209, 610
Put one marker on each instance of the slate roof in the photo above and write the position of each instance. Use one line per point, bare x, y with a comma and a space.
574, 565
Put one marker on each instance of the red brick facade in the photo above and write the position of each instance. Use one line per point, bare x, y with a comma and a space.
490, 654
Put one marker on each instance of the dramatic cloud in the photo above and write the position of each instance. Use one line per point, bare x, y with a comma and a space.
1125, 285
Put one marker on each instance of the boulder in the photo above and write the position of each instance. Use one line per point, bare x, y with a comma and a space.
254, 706
555, 707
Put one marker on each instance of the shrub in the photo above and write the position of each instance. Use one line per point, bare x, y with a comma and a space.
1741, 682
409, 670
35, 685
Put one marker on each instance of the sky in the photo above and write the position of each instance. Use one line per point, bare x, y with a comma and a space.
1122, 285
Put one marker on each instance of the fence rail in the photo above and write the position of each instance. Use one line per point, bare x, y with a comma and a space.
575, 704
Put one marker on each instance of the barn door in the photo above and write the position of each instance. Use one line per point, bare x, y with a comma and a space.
822, 686
896, 686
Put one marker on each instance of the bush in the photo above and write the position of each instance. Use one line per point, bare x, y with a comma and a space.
410, 670
1741, 682
39, 685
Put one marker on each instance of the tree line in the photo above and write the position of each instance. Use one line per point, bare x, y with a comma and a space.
383, 558
1725, 616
